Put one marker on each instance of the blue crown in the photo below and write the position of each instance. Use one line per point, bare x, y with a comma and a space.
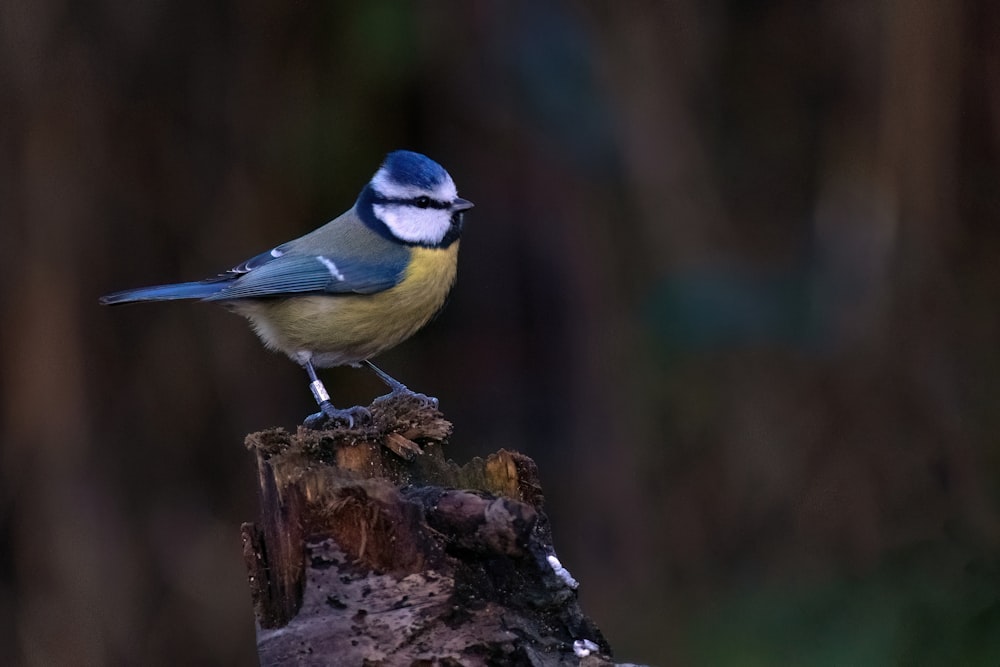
409, 168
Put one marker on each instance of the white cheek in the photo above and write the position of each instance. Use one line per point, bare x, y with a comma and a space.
415, 225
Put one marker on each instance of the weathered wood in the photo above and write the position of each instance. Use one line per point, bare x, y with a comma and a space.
373, 548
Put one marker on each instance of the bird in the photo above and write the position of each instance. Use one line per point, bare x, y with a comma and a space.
352, 288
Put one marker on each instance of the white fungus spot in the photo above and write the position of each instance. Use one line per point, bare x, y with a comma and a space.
277, 252
562, 572
584, 647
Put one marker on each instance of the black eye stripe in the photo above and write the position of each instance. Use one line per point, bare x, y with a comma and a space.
414, 201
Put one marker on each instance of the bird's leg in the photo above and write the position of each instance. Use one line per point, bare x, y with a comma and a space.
328, 413
397, 388
394, 385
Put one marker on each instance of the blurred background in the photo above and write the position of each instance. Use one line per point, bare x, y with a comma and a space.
732, 280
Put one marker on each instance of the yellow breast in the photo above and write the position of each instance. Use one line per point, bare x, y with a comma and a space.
342, 329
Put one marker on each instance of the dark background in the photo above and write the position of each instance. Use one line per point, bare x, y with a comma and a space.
732, 279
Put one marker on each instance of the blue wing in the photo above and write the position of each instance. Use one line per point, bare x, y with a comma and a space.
318, 274
258, 260
275, 273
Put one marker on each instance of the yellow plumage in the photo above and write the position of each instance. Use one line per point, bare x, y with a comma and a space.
345, 329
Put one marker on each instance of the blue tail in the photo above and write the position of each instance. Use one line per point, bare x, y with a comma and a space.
196, 290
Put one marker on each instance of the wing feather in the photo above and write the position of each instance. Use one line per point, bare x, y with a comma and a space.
313, 274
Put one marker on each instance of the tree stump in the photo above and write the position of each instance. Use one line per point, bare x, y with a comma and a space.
373, 549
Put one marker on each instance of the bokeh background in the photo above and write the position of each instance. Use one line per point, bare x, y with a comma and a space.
732, 280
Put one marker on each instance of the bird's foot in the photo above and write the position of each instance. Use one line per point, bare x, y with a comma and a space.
330, 416
429, 401
399, 390
402, 392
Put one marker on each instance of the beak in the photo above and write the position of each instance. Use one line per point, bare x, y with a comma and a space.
460, 204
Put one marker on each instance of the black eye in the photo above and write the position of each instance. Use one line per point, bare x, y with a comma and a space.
422, 202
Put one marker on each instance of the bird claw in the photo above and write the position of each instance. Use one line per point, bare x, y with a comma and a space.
431, 401
330, 416
402, 392
399, 390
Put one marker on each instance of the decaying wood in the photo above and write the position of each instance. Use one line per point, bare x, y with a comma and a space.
372, 548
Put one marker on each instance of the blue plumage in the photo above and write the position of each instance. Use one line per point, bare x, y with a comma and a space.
316, 274
414, 169
197, 290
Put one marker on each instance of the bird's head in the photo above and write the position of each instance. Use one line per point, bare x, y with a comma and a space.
414, 200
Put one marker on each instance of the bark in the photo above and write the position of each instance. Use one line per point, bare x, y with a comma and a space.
373, 548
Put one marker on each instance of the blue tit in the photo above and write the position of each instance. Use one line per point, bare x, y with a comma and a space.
353, 288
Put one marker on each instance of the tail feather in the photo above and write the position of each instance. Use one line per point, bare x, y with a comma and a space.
195, 290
